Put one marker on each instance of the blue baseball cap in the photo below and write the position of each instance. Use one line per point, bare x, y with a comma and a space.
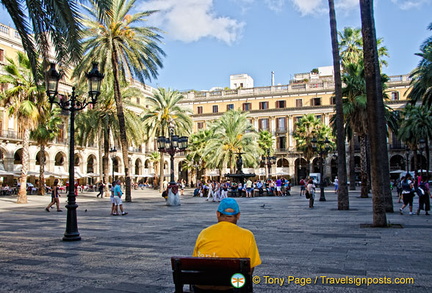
229, 206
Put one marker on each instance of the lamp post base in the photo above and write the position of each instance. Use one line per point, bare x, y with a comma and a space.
71, 233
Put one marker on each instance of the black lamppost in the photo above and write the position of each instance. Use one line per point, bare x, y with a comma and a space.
73, 105
171, 146
322, 147
113, 152
268, 161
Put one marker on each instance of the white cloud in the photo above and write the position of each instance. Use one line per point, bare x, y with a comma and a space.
408, 4
191, 20
275, 5
321, 6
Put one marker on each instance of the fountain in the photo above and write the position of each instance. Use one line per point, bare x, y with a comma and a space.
239, 176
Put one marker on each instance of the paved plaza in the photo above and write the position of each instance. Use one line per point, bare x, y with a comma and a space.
302, 249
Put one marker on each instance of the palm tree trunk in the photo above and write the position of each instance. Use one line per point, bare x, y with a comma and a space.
352, 164
105, 161
22, 192
363, 167
377, 126
343, 196
42, 170
122, 124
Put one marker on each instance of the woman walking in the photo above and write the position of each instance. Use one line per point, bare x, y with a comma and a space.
310, 189
55, 197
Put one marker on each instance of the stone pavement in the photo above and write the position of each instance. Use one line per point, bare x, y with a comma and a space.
132, 253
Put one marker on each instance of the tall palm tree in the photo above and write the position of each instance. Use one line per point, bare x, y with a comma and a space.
232, 133
154, 158
164, 111
421, 76
47, 130
343, 196
125, 47
380, 171
21, 101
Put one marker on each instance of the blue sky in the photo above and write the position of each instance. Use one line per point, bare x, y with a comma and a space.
208, 40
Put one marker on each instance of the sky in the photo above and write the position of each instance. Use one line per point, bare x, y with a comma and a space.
206, 41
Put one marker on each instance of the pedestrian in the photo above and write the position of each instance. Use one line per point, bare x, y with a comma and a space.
279, 187
55, 197
249, 188
310, 190
424, 196
224, 190
336, 184
101, 189
114, 211
407, 194
226, 239
211, 188
117, 198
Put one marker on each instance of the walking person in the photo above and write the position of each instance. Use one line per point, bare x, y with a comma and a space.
424, 196
310, 189
100, 189
211, 188
407, 194
117, 198
55, 197
302, 184
336, 184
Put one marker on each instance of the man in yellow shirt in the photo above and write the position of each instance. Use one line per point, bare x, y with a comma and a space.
225, 238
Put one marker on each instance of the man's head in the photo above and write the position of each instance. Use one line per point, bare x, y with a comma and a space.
228, 211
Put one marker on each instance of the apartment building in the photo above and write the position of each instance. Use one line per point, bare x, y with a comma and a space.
277, 108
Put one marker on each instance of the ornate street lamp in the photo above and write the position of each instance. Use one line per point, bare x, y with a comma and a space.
171, 145
268, 161
73, 105
322, 147
113, 152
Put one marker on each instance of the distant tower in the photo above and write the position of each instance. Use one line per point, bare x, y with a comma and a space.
272, 78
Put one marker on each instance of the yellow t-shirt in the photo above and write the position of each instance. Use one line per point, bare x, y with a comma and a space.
226, 239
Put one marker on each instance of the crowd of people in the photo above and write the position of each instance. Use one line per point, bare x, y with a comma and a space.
408, 187
218, 190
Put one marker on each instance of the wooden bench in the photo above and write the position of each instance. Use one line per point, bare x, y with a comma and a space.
210, 271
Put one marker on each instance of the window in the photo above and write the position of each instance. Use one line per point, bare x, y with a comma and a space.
263, 105
394, 96
281, 143
215, 109
200, 125
263, 124
280, 104
281, 124
247, 106
199, 109
299, 103
333, 101
1, 55
316, 102
230, 107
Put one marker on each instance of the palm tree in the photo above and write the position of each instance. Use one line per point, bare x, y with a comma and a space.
197, 144
47, 130
125, 47
421, 76
307, 127
154, 158
100, 124
232, 133
380, 172
164, 111
21, 101
416, 124
265, 142
343, 195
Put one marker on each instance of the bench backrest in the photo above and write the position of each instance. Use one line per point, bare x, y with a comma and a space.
210, 271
